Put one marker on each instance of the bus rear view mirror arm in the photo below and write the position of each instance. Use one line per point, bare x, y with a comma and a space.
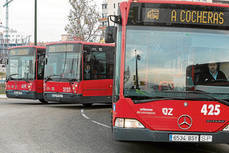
110, 34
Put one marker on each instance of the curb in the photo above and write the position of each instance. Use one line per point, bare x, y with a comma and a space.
3, 97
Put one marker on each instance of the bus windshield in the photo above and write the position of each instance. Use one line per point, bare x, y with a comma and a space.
170, 62
21, 64
63, 65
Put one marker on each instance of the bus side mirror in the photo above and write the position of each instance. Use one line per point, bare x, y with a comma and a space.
110, 34
46, 61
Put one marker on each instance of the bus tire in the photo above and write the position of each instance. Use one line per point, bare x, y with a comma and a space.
43, 101
87, 105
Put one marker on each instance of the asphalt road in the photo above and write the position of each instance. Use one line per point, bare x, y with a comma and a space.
28, 127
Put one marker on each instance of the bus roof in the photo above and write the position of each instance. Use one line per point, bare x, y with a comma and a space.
42, 47
179, 2
81, 42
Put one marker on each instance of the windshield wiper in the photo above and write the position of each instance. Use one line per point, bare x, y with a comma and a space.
149, 98
13, 74
139, 96
50, 77
26, 79
10, 77
207, 94
71, 80
144, 99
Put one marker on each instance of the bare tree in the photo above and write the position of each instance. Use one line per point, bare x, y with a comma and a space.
83, 20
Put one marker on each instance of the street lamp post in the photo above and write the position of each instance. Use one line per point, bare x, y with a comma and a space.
35, 23
6, 5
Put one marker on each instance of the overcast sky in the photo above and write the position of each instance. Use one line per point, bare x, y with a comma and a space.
52, 17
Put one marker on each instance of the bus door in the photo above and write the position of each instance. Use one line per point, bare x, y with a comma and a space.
98, 71
40, 63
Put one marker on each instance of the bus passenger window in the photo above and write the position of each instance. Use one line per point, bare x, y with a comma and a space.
95, 66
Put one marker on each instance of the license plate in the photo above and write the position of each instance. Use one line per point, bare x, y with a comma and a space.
206, 138
57, 95
183, 138
190, 138
17, 93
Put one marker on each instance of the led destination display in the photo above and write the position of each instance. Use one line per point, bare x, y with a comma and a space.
183, 15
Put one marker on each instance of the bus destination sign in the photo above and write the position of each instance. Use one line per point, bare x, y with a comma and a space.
21, 52
61, 48
179, 15
185, 16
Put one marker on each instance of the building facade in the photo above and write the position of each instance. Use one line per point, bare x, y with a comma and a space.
66, 37
13, 39
113, 6
104, 15
109, 7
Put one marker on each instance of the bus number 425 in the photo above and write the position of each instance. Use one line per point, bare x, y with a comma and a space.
210, 109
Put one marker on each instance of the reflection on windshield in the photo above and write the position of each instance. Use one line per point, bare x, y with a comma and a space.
23, 66
160, 60
63, 65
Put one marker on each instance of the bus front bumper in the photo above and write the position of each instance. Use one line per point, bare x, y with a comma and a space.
125, 134
76, 98
22, 94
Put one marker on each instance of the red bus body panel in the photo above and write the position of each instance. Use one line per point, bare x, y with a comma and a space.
96, 87
84, 87
152, 117
151, 114
83, 91
34, 86
61, 87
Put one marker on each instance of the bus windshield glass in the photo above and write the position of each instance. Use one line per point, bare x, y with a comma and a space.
63, 62
170, 62
21, 64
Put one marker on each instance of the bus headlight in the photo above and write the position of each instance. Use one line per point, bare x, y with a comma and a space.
119, 122
128, 123
226, 128
132, 123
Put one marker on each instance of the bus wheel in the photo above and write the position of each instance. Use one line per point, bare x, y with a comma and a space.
87, 105
43, 101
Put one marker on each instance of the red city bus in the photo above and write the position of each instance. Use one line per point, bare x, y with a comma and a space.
25, 72
79, 72
172, 70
